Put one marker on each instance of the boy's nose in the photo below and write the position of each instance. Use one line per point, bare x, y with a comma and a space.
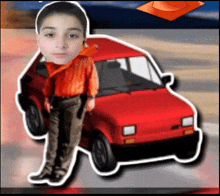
61, 43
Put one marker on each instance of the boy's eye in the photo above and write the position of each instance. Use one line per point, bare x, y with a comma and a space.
73, 36
50, 35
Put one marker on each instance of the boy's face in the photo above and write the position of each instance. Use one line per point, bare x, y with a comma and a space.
60, 38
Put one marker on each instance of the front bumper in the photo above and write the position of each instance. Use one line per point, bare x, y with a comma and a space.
156, 149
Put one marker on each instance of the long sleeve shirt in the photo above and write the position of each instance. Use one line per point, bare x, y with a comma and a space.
77, 77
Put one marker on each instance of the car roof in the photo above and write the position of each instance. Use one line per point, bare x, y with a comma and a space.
111, 49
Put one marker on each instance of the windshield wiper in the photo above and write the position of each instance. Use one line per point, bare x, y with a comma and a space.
138, 84
145, 86
117, 89
126, 89
122, 88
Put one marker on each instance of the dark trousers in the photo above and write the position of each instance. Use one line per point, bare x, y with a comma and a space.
64, 134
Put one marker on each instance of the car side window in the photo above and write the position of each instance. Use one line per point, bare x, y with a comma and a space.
41, 68
141, 67
154, 76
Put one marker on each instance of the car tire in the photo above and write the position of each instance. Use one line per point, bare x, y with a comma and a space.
34, 120
102, 155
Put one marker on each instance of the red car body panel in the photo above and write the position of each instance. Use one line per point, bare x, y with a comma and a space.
154, 113
109, 49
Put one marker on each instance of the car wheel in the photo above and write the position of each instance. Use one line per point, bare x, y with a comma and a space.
102, 155
34, 120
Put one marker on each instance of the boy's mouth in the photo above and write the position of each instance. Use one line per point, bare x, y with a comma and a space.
60, 55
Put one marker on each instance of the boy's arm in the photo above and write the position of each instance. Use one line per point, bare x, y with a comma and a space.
93, 85
48, 88
48, 91
92, 78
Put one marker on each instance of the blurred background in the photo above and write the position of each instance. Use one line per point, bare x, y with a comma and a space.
187, 47
112, 14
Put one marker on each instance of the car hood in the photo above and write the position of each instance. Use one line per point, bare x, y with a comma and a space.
142, 106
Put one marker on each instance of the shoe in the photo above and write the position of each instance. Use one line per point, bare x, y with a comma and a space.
56, 178
41, 176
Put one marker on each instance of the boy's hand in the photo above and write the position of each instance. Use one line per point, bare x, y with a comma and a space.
47, 105
90, 105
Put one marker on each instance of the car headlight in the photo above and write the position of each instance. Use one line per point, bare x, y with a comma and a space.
129, 130
188, 121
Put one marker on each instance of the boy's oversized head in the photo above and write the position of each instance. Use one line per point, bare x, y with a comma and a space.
61, 29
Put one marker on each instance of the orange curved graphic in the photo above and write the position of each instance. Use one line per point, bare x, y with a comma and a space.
170, 10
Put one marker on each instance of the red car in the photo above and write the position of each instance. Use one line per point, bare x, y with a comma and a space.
137, 115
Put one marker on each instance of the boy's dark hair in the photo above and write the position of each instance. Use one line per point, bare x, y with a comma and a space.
62, 8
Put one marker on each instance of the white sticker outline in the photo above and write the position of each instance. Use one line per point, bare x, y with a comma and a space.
119, 164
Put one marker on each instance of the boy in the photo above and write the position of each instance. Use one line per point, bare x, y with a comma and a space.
61, 35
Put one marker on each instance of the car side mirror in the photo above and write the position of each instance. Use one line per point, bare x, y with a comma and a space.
166, 79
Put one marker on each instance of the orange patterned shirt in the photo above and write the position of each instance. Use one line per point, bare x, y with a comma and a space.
77, 77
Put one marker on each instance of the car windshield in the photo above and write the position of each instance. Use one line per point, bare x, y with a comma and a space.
127, 74
121, 75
